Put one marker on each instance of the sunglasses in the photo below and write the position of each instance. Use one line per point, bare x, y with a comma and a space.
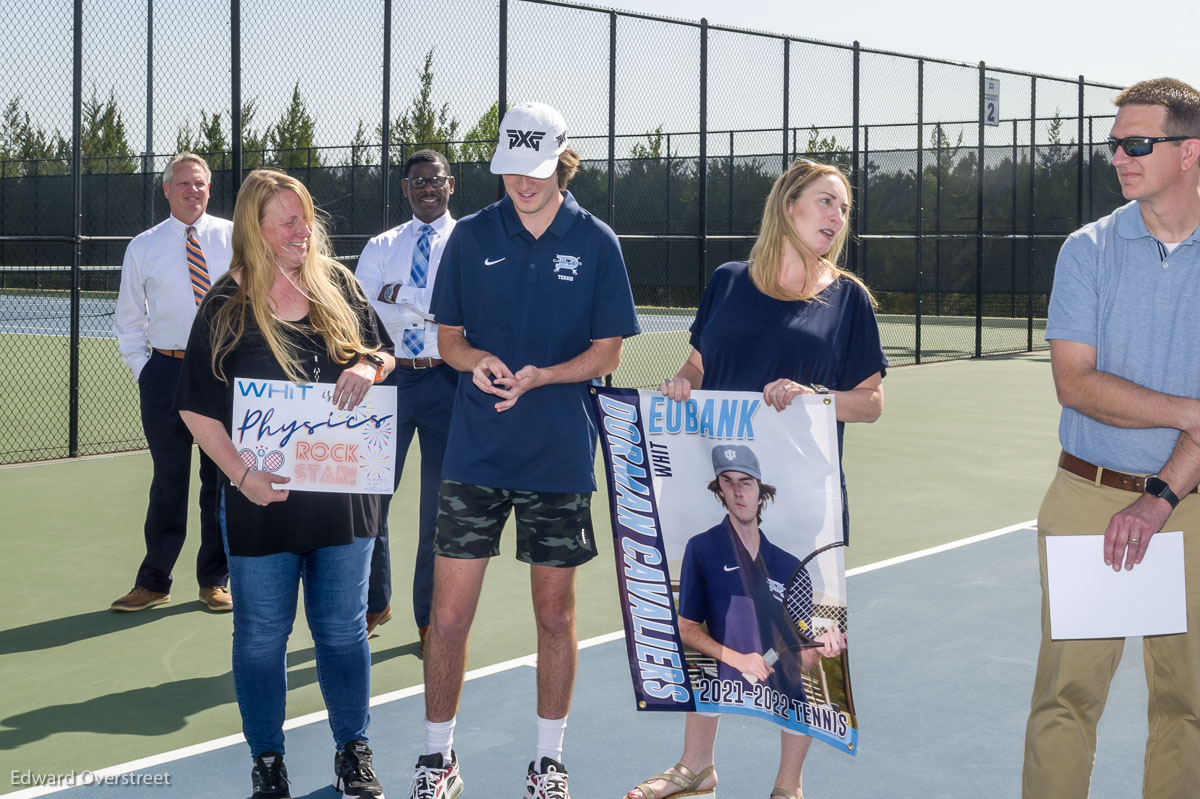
437, 181
1137, 146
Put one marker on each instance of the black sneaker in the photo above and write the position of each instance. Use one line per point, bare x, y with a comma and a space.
269, 776
436, 779
549, 782
353, 773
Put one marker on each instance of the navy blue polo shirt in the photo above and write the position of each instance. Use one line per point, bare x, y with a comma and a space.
536, 302
747, 339
717, 582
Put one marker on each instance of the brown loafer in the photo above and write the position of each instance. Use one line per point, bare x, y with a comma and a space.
216, 597
140, 598
376, 619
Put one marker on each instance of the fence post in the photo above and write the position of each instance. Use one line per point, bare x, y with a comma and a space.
235, 77
668, 223
703, 168
77, 228
864, 218
1032, 206
856, 181
148, 155
612, 120
979, 220
502, 88
729, 212
1079, 162
787, 92
1012, 272
920, 208
937, 222
385, 149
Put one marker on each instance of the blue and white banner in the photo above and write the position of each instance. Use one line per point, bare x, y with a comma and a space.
730, 586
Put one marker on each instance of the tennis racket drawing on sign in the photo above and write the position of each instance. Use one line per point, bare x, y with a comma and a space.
262, 460
814, 603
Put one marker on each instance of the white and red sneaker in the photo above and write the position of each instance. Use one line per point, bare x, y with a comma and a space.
436, 779
548, 782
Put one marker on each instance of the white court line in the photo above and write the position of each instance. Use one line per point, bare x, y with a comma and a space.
99, 775
962, 542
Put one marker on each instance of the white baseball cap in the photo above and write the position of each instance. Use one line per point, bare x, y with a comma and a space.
532, 136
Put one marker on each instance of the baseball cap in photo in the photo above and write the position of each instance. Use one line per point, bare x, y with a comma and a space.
532, 136
735, 458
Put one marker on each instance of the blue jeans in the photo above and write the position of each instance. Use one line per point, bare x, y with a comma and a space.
335, 603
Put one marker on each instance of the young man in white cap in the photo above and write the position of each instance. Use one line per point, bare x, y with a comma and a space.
532, 303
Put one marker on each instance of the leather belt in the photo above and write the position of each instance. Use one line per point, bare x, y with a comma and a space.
419, 363
169, 353
1108, 477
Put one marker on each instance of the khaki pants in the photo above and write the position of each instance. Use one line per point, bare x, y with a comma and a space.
1073, 677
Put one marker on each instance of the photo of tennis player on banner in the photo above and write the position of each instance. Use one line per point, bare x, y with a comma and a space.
728, 525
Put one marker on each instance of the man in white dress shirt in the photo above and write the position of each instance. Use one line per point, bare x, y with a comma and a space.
166, 273
397, 271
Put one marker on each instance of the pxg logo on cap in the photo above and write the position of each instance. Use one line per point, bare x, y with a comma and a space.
524, 130
525, 138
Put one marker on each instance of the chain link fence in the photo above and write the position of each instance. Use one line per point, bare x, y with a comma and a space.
682, 127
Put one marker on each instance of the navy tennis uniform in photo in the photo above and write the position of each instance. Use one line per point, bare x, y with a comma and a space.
746, 339
536, 302
718, 583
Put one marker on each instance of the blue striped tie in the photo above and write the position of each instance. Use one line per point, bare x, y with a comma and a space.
413, 341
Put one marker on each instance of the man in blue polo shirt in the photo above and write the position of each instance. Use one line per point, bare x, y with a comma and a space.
1124, 333
532, 303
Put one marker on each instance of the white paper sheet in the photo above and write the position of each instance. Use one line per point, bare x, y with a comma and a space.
1090, 600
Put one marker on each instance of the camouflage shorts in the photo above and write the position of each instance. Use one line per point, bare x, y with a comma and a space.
552, 529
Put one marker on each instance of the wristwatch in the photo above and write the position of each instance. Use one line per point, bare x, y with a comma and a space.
374, 359
1159, 488
817, 387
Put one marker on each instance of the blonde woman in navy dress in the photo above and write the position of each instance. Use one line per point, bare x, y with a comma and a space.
788, 322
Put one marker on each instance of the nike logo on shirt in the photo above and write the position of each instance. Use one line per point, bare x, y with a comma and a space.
731, 568
490, 262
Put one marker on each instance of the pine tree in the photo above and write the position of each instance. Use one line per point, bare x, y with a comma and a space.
292, 136
424, 125
481, 138
105, 145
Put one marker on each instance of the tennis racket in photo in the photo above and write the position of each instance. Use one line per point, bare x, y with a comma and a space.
814, 602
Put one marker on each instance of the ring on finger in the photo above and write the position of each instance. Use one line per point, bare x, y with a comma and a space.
1135, 540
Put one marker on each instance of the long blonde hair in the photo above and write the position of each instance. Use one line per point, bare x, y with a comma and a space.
325, 283
766, 257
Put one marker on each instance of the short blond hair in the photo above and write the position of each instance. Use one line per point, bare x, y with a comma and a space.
181, 158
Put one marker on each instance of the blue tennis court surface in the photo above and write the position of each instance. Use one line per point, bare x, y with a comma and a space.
943, 651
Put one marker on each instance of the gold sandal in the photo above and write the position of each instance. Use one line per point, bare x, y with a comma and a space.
783, 793
688, 781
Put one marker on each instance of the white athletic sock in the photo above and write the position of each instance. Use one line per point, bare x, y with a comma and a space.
550, 739
439, 737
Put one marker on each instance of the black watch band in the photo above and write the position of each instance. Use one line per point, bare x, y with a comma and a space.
1157, 487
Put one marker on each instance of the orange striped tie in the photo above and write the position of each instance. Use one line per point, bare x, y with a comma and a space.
196, 266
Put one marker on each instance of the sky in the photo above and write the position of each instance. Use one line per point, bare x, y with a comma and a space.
1103, 40
561, 57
